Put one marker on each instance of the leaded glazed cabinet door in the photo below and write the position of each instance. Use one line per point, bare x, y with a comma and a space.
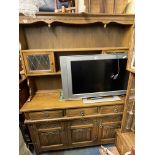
37, 62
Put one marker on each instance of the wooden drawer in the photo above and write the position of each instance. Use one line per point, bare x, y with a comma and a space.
81, 112
112, 118
111, 109
48, 125
45, 114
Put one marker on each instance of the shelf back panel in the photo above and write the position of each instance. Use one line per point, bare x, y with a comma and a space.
62, 36
47, 82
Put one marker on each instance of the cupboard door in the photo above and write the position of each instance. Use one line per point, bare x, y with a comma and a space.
52, 137
83, 133
107, 130
39, 62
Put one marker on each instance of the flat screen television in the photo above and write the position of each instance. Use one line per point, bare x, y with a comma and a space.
85, 76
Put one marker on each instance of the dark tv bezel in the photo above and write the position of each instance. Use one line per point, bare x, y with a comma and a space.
66, 76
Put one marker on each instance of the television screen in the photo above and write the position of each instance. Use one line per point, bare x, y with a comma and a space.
98, 75
94, 75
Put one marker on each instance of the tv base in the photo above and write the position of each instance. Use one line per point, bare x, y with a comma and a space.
100, 99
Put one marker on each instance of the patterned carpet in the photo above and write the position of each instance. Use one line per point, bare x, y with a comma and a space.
79, 151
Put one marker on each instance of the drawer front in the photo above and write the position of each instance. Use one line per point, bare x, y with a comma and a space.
48, 125
81, 112
111, 109
45, 114
112, 118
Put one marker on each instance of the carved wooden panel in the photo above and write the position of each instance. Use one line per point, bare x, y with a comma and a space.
107, 130
79, 135
50, 138
50, 135
82, 134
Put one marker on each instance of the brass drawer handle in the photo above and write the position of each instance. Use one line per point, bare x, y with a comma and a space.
115, 110
82, 113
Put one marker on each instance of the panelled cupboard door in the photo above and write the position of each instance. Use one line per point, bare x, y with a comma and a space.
82, 132
53, 137
107, 130
39, 62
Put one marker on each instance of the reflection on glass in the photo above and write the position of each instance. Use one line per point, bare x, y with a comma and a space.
38, 62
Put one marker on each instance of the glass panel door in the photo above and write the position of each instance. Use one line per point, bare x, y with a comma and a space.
39, 62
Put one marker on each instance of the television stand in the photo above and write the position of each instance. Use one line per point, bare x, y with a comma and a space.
100, 99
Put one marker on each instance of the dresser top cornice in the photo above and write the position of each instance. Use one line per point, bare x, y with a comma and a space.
83, 18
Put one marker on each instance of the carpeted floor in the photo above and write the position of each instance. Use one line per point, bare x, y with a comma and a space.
79, 151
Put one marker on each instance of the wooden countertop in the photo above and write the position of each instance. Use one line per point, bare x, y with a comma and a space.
51, 101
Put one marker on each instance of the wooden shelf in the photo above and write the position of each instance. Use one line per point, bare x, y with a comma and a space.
83, 18
116, 49
47, 100
43, 74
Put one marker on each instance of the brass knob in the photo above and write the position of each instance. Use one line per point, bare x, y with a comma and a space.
116, 110
82, 113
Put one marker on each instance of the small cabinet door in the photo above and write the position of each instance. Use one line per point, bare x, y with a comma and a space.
82, 132
107, 131
39, 62
51, 136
